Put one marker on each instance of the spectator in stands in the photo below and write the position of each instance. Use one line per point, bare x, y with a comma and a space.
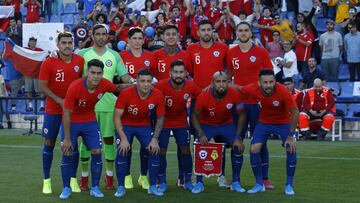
288, 9
158, 41
342, 16
47, 8
180, 19
148, 5
225, 27
33, 7
92, 7
57, 6
303, 47
16, 4
160, 20
331, 45
14, 32
19, 23
319, 103
42, 19
241, 17
213, 11
275, 47
80, 30
143, 22
112, 41
329, 8
101, 18
197, 15
305, 6
264, 22
284, 27
311, 75
31, 84
288, 65
3, 104
352, 49
297, 95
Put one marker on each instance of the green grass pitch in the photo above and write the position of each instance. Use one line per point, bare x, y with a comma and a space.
326, 172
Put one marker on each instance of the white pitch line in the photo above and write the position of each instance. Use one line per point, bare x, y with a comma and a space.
174, 152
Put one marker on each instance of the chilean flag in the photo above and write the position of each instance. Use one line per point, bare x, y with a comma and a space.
25, 61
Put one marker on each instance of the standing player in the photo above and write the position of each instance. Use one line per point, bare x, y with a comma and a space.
56, 75
177, 90
169, 53
132, 118
207, 56
278, 115
104, 108
80, 120
212, 116
244, 64
136, 57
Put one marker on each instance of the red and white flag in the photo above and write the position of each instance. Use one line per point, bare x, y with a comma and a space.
25, 61
208, 159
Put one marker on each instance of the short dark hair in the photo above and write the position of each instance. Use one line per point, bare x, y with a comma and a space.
352, 23
244, 23
275, 31
103, 15
242, 12
205, 22
178, 62
170, 26
32, 39
266, 7
265, 72
288, 79
134, 30
96, 27
145, 72
64, 34
96, 62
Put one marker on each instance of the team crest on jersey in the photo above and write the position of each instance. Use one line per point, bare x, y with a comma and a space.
203, 154
99, 96
108, 63
229, 106
46, 130
151, 106
76, 68
276, 103
216, 53
186, 96
147, 63
252, 58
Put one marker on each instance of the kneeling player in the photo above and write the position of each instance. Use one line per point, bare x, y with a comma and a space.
212, 117
132, 119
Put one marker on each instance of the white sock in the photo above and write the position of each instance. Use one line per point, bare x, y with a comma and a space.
109, 173
84, 174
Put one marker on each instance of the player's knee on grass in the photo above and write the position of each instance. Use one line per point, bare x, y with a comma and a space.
96, 151
255, 148
185, 150
163, 151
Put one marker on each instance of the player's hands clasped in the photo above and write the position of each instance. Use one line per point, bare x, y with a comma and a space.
123, 147
154, 146
66, 147
290, 144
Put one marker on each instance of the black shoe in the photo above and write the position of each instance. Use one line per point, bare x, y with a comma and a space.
29, 109
9, 124
42, 109
1, 127
321, 134
306, 135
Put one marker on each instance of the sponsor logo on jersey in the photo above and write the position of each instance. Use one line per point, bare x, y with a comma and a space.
252, 58
203, 154
151, 106
229, 106
216, 53
186, 96
108, 63
276, 103
147, 63
76, 68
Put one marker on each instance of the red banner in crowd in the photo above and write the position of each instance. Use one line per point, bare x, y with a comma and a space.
208, 159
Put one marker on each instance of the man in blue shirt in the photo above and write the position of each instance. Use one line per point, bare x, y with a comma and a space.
352, 48
311, 75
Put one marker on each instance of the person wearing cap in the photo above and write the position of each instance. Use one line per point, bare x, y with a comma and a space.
331, 44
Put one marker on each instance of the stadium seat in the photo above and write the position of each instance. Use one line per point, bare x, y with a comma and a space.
30, 118
335, 86
68, 19
344, 74
346, 91
70, 8
2, 35
23, 10
353, 113
2, 46
55, 19
321, 25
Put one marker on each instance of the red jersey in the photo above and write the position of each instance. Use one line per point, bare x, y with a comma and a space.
321, 101
266, 32
214, 112
59, 76
213, 13
225, 30
181, 23
32, 15
205, 62
164, 61
133, 64
298, 97
275, 108
303, 52
246, 66
175, 100
82, 102
136, 110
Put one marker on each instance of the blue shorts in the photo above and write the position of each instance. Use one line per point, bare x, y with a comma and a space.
90, 133
143, 133
224, 133
252, 116
51, 126
262, 132
182, 137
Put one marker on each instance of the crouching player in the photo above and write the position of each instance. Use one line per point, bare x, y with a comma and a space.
212, 116
278, 115
132, 119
